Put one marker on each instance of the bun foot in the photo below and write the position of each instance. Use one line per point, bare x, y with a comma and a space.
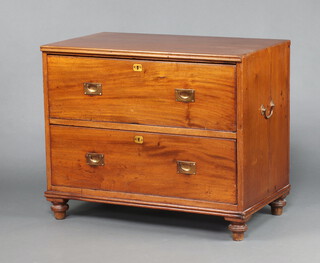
237, 227
59, 208
238, 230
276, 211
277, 206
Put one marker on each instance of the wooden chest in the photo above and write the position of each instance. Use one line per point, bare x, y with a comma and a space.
185, 123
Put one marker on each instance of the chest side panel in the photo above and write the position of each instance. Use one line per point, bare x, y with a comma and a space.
279, 136
263, 148
253, 133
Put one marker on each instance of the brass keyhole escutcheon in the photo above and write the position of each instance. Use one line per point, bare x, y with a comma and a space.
138, 139
137, 67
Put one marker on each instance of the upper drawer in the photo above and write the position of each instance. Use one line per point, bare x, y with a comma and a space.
148, 96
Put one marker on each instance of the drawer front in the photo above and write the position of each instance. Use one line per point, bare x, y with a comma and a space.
148, 96
154, 164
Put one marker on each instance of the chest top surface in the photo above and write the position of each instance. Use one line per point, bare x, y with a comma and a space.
163, 46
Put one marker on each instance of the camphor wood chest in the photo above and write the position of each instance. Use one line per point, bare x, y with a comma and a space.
185, 123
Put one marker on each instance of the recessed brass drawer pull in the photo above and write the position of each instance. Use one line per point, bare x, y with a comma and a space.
92, 88
186, 167
185, 95
263, 110
95, 159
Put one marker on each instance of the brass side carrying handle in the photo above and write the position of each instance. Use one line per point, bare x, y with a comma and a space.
186, 167
264, 110
92, 89
185, 95
95, 159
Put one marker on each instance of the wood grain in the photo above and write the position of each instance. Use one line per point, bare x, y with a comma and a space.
266, 200
46, 119
146, 201
156, 46
263, 144
143, 200
229, 211
279, 123
253, 139
148, 168
146, 97
146, 128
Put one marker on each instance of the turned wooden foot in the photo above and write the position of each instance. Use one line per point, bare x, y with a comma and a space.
237, 227
238, 230
59, 208
277, 206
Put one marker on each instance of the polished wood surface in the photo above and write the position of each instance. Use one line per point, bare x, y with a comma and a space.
159, 46
59, 207
148, 168
253, 133
231, 211
242, 157
146, 97
263, 144
277, 206
279, 141
147, 201
46, 119
146, 128
238, 230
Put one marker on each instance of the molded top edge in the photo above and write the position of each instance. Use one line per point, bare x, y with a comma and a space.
163, 46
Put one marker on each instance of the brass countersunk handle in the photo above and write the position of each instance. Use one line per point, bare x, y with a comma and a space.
92, 88
185, 95
186, 167
95, 159
264, 110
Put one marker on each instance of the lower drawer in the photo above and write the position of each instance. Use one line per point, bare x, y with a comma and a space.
161, 164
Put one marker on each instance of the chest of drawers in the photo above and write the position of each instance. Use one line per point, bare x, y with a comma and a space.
184, 123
